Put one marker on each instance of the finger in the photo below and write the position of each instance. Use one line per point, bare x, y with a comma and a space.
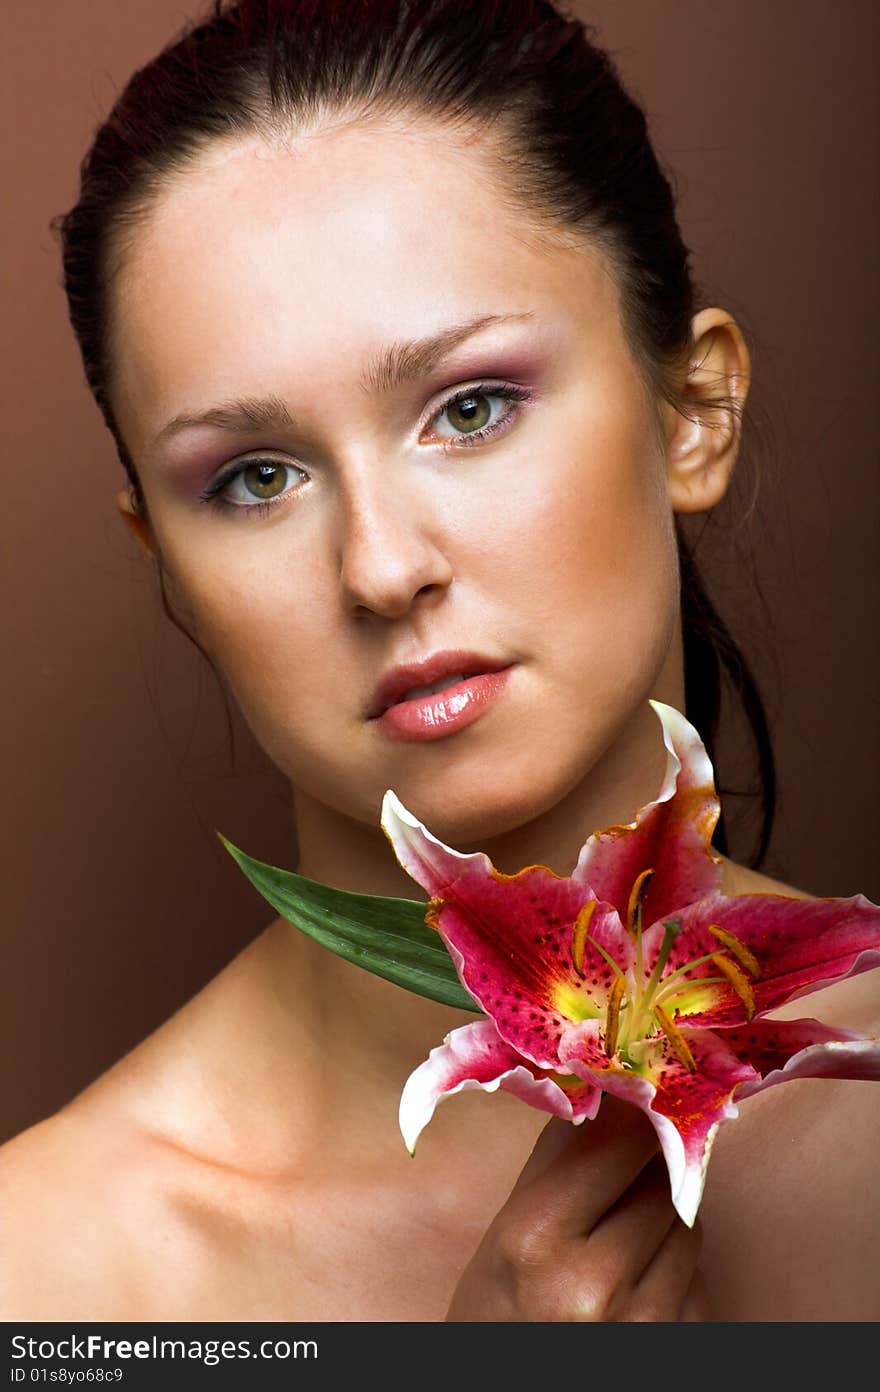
569, 1182
666, 1284
625, 1241
618, 1127
696, 1302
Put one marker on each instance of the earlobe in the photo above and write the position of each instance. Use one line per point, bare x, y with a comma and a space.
136, 524
702, 447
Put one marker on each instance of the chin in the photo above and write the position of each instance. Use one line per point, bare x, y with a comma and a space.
468, 810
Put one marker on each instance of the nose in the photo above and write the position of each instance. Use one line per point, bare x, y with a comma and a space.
391, 546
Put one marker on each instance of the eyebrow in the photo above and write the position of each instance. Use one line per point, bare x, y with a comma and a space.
397, 364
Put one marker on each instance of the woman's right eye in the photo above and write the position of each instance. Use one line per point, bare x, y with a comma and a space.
260, 482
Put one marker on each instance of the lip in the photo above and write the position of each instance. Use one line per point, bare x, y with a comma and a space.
435, 717
440, 664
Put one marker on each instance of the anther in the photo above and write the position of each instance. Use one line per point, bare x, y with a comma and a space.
737, 949
738, 980
634, 907
612, 1017
676, 1039
579, 934
432, 913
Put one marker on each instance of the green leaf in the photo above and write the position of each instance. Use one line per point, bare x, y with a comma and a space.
388, 937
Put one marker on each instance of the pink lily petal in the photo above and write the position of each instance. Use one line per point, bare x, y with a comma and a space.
513, 953
784, 1049
475, 1056
671, 835
510, 937
800, 945
684, 1108
425, 859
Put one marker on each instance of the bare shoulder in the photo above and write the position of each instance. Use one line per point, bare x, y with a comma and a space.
740, 879
105, 1210
77, 1195
789, 1234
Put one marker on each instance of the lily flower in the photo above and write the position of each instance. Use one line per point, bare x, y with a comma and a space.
635, 975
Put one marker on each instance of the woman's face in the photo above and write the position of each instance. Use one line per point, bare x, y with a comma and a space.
392, 530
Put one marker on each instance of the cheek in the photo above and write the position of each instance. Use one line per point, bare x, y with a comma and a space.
256, 619
588, 532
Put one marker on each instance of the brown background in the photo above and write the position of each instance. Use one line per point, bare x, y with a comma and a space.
120, 901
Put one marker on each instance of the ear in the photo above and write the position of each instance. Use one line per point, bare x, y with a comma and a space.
137, 525
701, 452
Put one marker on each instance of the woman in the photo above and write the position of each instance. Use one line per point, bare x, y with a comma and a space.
392, 324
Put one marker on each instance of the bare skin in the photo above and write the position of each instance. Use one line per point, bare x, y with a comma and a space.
197, 1179
245, 1160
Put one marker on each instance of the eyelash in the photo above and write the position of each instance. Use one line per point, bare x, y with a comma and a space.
213, 494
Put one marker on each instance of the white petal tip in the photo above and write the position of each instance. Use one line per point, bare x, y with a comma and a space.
391, 804
687, 1212
409, 1140
661, 709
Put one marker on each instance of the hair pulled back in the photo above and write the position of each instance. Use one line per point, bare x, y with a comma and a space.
573, 151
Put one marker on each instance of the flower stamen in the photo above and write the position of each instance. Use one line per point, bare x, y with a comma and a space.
738, 980
634, 907
676, 1039
680, 991
736, 949
580, 933
612, 1017
432, 913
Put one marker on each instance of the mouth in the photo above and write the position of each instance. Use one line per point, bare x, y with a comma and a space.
429, 677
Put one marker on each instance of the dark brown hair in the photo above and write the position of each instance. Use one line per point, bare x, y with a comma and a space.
575, 154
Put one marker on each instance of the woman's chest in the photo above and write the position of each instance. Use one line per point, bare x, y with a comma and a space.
325, 1250
790, 1218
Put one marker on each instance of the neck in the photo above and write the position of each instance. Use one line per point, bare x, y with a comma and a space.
390, 1031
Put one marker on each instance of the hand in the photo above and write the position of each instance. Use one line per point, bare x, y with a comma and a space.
588, 1233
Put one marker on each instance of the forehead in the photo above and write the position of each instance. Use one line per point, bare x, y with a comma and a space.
260, 258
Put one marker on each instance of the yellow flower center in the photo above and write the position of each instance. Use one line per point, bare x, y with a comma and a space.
637, 1017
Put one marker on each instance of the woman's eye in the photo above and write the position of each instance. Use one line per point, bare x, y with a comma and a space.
469, 412
255, 485
472, 416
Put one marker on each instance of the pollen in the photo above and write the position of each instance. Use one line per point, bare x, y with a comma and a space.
612, 1017
676, 1039
580, 933
736, 949
738, 980
634, 907
432, 913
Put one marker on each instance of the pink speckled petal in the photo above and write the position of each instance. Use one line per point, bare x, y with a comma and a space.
671, 835
800, 945
684, 1108
511, 945
784, 1049
475, 1056
510, 937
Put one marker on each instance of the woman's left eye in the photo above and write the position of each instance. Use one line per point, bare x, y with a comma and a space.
471, 416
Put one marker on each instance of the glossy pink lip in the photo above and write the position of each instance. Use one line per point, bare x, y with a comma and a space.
435, 717
399, 680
